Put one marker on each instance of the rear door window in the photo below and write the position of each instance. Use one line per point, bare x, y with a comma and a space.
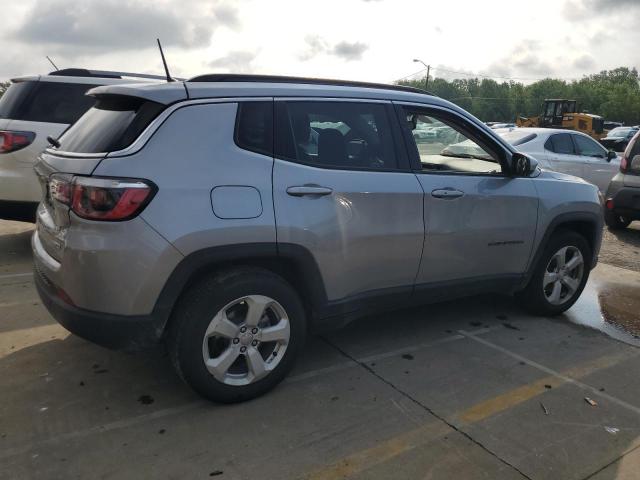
349, 135
112, 124
560, 143
50, 102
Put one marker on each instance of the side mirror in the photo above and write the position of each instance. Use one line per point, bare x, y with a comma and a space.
523, 165
611, 155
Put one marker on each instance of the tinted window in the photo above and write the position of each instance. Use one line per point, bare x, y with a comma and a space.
589, 147
444, 146
13, 98
254, 127
46, 101
560, 143
112, 124
633, 151
335, 134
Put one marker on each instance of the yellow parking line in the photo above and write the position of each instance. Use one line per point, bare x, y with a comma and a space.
522, 394
382, 452
393, 447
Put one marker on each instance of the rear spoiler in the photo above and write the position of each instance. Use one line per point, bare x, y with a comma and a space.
163, 93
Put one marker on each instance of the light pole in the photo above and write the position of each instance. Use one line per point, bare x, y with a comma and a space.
426, 82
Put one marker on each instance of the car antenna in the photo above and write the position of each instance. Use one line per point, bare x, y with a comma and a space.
164, 62
51, 62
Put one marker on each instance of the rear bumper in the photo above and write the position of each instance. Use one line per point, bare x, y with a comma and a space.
118, 332
626, 202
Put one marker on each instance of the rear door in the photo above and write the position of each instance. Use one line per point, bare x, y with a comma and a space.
344, 192
563, 156
479, 220
598, 169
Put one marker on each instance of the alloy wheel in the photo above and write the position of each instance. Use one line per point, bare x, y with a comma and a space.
563, 275
246, 340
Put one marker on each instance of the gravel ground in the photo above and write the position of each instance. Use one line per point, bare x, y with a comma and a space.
622, 247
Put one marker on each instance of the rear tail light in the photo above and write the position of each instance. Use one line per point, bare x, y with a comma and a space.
624, 164
11, 141
609, 204
94, 198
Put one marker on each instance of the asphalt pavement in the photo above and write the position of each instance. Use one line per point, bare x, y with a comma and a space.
471, 389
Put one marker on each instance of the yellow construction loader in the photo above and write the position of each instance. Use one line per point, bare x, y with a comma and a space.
561, 113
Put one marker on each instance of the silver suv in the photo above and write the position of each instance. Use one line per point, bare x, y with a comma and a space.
228, 215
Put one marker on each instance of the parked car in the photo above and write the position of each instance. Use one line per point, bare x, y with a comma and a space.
623, 195
32, 109
182, 219
608, 125
618, 138
497, 126
573, 153
568, 152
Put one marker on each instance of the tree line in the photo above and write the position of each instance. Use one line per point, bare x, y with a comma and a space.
613, 94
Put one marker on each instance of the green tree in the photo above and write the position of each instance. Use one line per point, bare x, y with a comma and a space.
614, 94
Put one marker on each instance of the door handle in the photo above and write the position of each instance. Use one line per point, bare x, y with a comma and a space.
310, 190
447, 193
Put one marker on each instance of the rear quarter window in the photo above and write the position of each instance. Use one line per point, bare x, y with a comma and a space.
254, 127
49, 102
112, 124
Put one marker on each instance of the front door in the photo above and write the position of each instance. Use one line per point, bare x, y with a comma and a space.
598, 169
479, 221
344, 192
563, 156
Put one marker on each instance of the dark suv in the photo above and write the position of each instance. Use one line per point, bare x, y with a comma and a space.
623, 195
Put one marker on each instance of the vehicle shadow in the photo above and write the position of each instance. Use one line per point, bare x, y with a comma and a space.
629, 235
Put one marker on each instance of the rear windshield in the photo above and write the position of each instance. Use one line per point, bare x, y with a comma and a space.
516, 137
112, 124
50, 102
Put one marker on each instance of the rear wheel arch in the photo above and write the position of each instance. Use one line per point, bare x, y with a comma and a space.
293, 263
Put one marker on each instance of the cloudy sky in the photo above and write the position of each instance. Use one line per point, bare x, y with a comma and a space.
372, 40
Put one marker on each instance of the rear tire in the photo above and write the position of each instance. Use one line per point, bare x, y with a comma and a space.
235, 335
559, 276
615, 222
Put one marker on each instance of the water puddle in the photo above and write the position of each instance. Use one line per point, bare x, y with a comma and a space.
611, 305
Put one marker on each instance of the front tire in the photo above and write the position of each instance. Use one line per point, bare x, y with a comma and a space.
615, 222
560, 275
236, 334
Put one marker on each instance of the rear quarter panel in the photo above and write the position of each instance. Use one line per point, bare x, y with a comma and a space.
189, 155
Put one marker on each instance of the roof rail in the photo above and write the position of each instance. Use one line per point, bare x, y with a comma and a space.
237, 77
83, 72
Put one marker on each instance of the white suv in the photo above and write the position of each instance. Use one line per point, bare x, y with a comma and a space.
32, 109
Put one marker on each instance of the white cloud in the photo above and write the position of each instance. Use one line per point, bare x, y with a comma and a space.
357, 39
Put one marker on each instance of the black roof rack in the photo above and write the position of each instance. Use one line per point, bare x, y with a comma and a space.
83, 72
237, 77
